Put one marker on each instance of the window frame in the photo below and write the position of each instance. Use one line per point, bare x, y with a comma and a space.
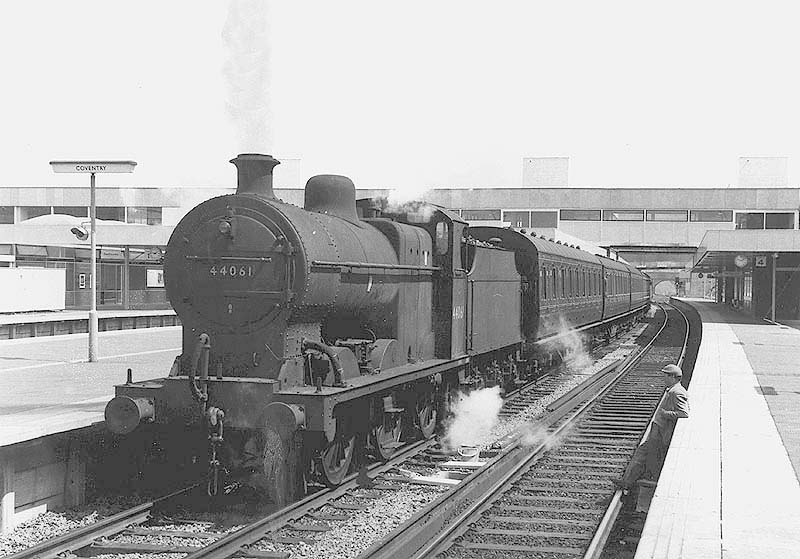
636, 215
597, 213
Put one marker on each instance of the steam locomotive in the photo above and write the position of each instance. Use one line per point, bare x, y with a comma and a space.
318, 334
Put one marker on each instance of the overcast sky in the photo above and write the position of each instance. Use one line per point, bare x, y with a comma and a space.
419, 94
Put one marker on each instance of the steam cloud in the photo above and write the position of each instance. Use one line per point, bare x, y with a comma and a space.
569, 344
534, 434
474, 416
418, 212
246, 72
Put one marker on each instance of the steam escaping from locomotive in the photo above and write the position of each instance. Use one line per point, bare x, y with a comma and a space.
474, 416
569, 344
535, 434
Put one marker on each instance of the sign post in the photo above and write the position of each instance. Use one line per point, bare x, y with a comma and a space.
93, 167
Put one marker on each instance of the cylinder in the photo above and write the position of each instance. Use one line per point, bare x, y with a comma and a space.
123, 413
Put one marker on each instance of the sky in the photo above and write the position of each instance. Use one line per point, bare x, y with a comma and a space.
404, 95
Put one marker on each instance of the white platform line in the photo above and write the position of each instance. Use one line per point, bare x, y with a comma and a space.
76, 361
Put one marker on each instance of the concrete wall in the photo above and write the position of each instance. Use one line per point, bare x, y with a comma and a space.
43, 474
32, 289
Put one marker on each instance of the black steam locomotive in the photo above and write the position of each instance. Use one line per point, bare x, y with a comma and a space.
312, 335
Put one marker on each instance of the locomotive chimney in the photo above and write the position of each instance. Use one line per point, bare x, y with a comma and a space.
255, 174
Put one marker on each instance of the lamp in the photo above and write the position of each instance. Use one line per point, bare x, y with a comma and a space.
92, 167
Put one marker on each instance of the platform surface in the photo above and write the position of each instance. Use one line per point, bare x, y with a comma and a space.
48, 385
55, 316
729, 487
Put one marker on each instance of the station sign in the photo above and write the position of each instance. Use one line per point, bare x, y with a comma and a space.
93, 166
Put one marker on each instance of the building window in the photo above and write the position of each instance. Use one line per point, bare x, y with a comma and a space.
517, 219
711, 215
623, 215
6, 214
580, 215
481, 215
750, 220
111, 214
667, 215
77, 211
544, 219
782, 220
29, 212
147, 216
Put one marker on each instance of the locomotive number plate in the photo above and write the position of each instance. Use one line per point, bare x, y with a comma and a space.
231, 271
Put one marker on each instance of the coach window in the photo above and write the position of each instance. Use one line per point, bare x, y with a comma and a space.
573, 288
569, 283
542, 284
556, 283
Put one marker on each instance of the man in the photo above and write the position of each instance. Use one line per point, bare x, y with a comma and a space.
650, 454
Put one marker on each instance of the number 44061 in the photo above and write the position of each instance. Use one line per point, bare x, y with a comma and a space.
231, 271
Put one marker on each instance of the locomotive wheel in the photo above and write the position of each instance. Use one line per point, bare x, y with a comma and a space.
386, 436
274, 460
266, 456
336, 458
426, 414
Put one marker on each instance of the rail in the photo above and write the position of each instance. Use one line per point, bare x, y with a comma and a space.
82, 537
433, 527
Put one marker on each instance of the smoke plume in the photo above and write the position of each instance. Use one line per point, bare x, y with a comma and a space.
246, 70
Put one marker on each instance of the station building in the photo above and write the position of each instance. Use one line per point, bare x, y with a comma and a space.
721, 243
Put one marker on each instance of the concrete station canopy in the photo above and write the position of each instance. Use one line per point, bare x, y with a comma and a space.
54, 230
718, 250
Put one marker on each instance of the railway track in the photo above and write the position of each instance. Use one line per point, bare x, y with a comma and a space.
556, 499
301, 529
90, 538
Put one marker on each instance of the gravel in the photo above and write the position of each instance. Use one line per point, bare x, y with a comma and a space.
51, 524
524, 420
361, 530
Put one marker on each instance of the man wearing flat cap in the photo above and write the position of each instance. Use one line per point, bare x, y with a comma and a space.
650, 455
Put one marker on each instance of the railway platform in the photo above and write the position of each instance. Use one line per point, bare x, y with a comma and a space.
49, 386
53, 400
54, 323
729, 485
